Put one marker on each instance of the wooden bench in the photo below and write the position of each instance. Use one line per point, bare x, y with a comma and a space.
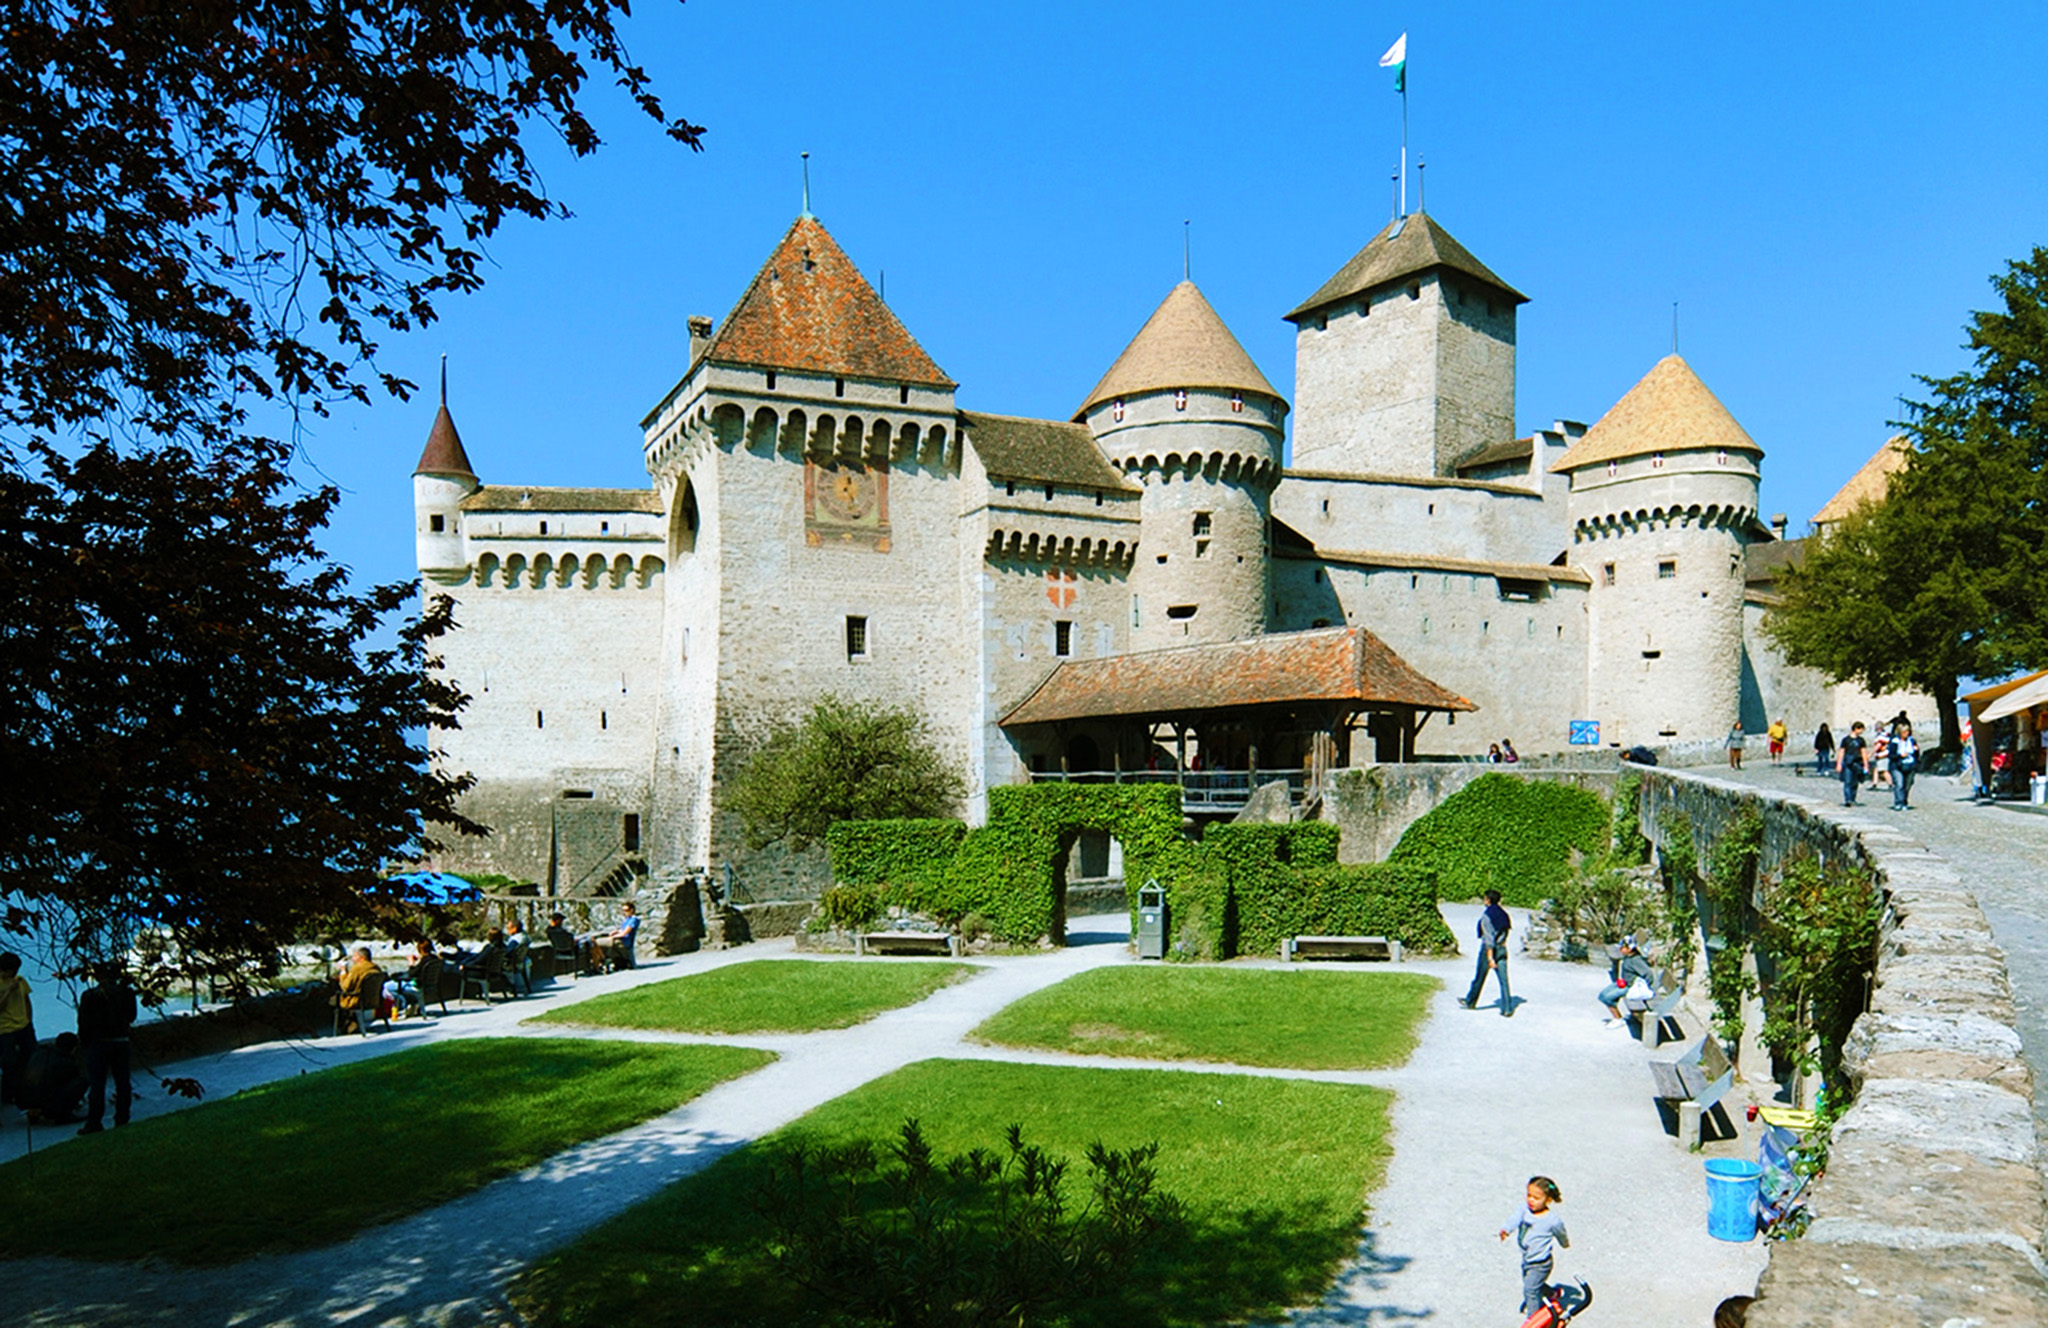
1652, 1012
1339, 947
910, 942
1693, 1086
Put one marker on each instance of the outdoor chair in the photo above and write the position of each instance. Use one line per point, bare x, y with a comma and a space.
427, 978
486, 974
566, 961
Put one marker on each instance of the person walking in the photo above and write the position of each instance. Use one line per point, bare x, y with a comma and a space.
1540, 1233
1823, 750
17, 1025
106, 1013
1904, 755
1849, 762
1777, 733
1494, 925
1736, 739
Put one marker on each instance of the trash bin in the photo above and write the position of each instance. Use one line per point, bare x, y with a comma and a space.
1731, 1198
1151, 921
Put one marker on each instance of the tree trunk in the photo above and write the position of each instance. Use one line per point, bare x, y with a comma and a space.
1951, 728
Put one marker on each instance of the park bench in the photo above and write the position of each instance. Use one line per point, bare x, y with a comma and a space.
1652, 1012
1691, 1088
1339, 947
906, 942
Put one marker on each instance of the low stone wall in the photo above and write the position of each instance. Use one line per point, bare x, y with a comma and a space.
1933, 1206
1375, 805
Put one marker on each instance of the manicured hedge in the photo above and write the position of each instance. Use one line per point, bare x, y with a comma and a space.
1508, 834
1368, 899
1005, 870
897, 856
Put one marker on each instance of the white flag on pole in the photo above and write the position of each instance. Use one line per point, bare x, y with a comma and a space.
1396, 54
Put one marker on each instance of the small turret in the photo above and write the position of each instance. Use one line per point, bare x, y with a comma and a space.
440, 482
1185, 412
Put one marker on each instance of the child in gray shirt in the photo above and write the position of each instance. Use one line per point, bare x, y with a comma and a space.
1539, 1231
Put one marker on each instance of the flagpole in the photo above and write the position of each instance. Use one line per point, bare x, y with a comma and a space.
1404, 143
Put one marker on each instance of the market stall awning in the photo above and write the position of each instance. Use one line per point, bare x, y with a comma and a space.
1347, 667
2010, 698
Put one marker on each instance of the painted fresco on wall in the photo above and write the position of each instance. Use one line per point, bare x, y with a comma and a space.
846, 504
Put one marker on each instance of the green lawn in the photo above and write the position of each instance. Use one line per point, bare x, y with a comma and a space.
766, 996
1310, 1020
1275, 1173
310, 1160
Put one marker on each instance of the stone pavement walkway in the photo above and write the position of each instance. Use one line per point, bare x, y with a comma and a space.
1484, 1103
2001, 851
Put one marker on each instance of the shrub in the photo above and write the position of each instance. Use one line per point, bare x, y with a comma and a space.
1819, 925
847, 907
980, 1238
843, 761
900, 858
1505, 833
1370, 899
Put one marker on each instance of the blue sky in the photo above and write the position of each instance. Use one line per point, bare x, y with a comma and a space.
1824, 189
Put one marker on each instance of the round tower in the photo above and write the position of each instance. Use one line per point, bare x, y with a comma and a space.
1186, 413
1663, 503
440, 482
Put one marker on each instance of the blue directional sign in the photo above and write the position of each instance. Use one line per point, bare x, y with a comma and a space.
1585, 733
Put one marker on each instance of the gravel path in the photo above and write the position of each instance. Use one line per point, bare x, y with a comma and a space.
2000, 850
1484, 1103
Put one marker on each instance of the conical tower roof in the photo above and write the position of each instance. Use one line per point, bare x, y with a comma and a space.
443, 454
1870, 484
1669, 410
1183, 344
809, 308
1408, 246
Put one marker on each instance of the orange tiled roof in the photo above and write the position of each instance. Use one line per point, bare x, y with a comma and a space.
1334, 664
809, 308
444, 454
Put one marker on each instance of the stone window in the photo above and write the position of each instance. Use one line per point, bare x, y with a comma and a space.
1181, 612
903, 395
603, 720
1365, 307
629, 832
540, 719
1136, 617
839, 387
1098, 497
604, 527
1415, 291
1613, 469
856, 637
1204, 523
1237, 403
543, 527
437, 523
1063, 638
1116, 410
1425, 627
1667, 569
578, 795
771, 380
1180, 398
1318, 577
1653, 654
1048, 493
1657, 461
1322, 322
1721, 457
1607, 574
1010, 488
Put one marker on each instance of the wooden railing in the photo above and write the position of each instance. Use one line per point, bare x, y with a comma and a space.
1200, 790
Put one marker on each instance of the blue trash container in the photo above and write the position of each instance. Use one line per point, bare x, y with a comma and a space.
1731, 1198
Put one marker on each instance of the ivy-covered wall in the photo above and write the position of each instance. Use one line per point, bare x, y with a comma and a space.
1505, 833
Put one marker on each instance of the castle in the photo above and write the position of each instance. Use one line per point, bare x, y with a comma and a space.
1142, 590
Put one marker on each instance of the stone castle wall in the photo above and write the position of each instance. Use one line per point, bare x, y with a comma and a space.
1469, 519
1932, 1209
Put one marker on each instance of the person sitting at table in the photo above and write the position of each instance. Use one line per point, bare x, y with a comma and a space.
362, 988
422, 980
517, 959
614, 949
563, 942
488, 962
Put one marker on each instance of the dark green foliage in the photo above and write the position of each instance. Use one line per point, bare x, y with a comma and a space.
1729, 888
975, 1238
1505, 833
1681, 871
199, 732
1607, 897
1627, 845
845, 907
1819, 925
903, 857
1945, 577
1388, 899
1006, 870
843, 761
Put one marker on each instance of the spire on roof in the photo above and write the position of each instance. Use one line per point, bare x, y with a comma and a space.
1183, 344
1409, 245
1669, 410
809, 309
443, 454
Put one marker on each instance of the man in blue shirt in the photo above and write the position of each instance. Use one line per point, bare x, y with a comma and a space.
1494, 924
